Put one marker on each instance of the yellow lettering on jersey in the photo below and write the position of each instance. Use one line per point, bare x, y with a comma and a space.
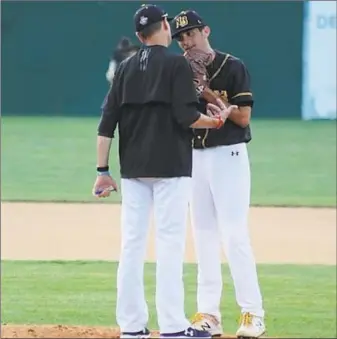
222, 94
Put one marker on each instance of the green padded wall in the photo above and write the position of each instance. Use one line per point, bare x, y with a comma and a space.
54, 54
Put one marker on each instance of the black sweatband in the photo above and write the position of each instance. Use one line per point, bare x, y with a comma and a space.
103, 169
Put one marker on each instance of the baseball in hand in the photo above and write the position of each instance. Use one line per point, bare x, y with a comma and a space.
103, 186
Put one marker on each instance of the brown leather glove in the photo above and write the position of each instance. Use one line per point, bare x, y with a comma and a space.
199, 60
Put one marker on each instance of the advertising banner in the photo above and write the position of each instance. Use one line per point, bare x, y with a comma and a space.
319, 61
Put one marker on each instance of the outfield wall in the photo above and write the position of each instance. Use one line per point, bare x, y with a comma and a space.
55, 54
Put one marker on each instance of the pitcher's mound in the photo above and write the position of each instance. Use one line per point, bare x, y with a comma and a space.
62, 331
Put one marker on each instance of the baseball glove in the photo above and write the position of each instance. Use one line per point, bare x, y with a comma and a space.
199, 60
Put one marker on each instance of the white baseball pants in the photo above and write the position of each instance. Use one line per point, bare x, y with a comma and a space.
169, 199
220, 205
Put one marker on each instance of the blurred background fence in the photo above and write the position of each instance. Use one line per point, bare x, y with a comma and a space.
55, 53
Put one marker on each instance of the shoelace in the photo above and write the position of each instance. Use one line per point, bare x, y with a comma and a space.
197, 317
246, 319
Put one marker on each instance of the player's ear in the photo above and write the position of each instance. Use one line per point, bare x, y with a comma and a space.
140, 37
165, 25
206, 31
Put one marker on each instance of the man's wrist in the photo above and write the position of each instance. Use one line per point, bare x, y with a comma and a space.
102, 170
219, 122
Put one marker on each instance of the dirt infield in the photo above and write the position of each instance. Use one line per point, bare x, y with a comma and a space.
279, 235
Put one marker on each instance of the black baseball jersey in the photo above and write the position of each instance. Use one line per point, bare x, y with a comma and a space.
153, 102
233, 84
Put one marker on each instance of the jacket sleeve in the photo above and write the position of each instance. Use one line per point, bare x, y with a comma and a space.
184, 96
110, 108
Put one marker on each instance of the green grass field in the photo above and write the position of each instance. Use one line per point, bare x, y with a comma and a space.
53, 159
300, 300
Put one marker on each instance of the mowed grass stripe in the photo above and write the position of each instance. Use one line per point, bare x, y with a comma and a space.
53, 159
300, 301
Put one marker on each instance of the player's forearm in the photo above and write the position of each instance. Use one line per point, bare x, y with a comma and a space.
240, 116
103, 151
205, 121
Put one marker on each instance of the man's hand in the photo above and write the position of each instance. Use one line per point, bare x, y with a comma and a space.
103, 186
220, 109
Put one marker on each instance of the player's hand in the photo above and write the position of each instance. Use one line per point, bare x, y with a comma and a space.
220, 109
103, 186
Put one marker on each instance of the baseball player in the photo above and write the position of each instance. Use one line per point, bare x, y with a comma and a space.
153, 102
124, 49
221, 187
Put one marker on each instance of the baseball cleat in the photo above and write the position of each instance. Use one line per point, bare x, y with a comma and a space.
207, 322
145, 333
251, 326
188, 333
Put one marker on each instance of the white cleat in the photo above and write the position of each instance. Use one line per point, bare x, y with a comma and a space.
207, 322
251, 326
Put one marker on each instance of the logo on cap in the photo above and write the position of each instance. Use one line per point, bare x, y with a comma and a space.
181, 21
143, 20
